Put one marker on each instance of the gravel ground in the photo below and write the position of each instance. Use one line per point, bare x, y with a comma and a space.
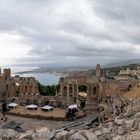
30, 123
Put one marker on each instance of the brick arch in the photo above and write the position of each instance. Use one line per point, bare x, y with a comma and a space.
65, 91
83, 87
70, 88
95, 90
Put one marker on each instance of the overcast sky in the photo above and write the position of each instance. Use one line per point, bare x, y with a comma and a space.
69, 32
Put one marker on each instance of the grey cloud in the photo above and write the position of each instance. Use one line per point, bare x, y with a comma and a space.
65, 32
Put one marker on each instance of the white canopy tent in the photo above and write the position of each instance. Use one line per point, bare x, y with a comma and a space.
47, 108
73, 106
12, 105
32, 107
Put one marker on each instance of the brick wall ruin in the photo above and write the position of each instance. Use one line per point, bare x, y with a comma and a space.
9, 84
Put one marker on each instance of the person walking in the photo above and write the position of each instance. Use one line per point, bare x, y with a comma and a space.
4, 110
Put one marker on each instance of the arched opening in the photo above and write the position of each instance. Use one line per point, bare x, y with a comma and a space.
7, 87
94, 90
47, 102
28, 101
82, 98
35, 102
17, 86
65, 91
82, 88
30, 89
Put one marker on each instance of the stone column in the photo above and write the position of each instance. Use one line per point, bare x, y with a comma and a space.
14, 91
77, 91
28, 90
88, 89
98, 72
61, 90
73, 90
31, 89
21, 90
68, 90
100, 91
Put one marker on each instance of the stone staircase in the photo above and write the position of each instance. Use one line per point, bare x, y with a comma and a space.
80, 123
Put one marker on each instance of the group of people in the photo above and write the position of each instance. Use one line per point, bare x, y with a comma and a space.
105, 116
118, 109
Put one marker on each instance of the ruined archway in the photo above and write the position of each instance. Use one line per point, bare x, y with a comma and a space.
65, 91
82, 95
95, 91
70, 89
17, 89
82, 88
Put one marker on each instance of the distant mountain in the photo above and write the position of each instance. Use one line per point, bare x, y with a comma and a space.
123, 63
57, 69
47, 68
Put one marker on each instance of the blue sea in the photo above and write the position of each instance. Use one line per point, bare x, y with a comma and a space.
43, 78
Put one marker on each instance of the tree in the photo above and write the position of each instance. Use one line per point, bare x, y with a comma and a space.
17, 90
49, 90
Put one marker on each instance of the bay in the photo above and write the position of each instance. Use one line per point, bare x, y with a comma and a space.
44, 78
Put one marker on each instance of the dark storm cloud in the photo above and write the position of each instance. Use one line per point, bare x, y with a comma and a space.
76, 31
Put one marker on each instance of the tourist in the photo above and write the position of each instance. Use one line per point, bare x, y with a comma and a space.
4, 118
117, 112
84, 111
102, 116
125, 107
122, 108
4, 107
111, 117
4, 110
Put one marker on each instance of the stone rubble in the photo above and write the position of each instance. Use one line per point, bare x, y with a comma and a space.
124, 127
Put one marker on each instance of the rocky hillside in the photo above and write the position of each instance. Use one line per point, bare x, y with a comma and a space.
134, 93
124, 127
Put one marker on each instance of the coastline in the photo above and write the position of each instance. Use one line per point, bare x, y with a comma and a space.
33, 72
45, 78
